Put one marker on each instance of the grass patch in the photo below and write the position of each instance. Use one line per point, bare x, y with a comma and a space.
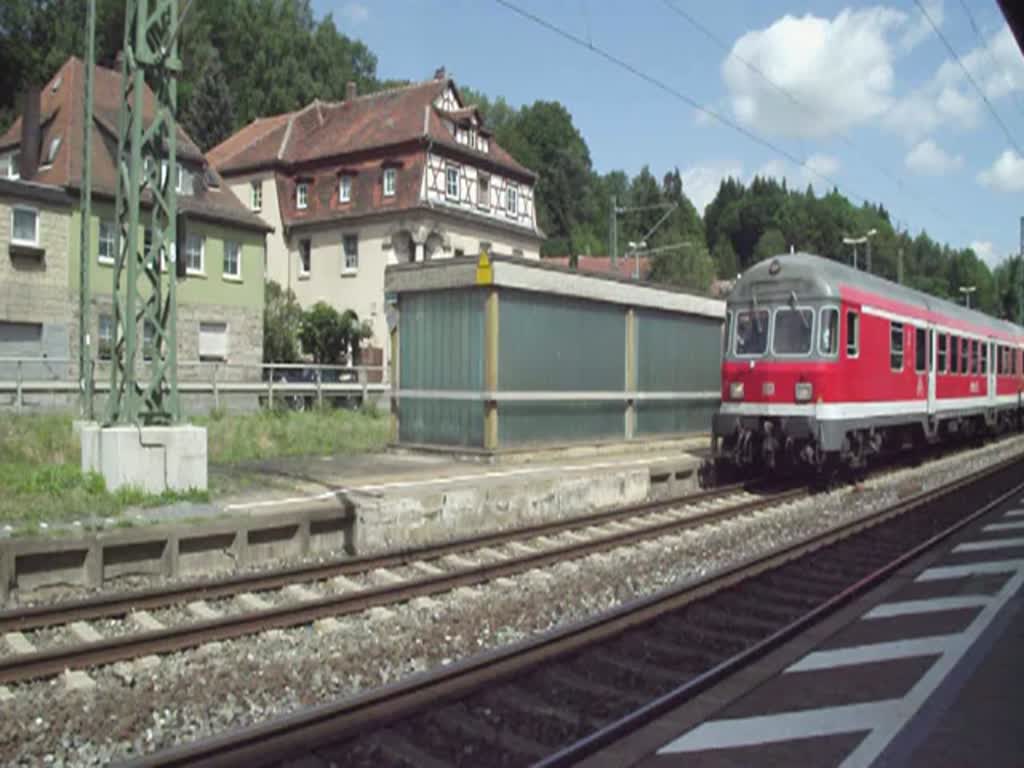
41, 479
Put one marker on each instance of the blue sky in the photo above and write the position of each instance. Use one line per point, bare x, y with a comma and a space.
864, 94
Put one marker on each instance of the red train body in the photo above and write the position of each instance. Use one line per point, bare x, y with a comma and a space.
826, 366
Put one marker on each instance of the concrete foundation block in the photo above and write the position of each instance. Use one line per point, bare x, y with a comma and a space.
77, 680
84, 633
154, 459
18, 643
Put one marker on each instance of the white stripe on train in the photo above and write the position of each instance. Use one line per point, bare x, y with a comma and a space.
856, 410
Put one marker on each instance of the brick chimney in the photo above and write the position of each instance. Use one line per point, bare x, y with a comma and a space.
350, 90
30, 134
439, 73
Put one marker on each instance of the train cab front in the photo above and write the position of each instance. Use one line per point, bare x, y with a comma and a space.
780, 345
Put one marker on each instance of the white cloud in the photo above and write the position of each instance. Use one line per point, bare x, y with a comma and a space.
701, 182
1005, 174
986, 251
839, 71
818, 165
929, 158
919, 30
997, 66
356, 13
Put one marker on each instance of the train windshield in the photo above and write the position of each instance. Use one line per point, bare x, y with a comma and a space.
792, 335
751, 332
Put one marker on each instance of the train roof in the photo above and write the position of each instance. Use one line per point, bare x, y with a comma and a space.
823, 277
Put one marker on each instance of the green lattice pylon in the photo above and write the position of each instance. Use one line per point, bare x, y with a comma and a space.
146, 391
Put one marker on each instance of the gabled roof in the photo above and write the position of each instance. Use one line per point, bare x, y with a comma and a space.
61, 115
329, 130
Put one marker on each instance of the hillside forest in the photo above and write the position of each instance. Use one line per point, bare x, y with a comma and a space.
249, 58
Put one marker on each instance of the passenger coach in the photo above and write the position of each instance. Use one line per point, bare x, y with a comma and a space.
825, 366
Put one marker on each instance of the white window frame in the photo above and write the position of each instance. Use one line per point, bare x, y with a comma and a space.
237, 274
302, 195
189, 269
821, 325
303, 270
390, 174
345, 188
483, 200
813, 329
113, 241
35, 234
512, 200
256, 195
448, 170
346, 268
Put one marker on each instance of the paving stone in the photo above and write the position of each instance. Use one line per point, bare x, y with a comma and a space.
428, 569
382, 577
77, 680
202, 611
18, 643
84, 633
300, 594
344, 584
326, 626
145, 621
247, 601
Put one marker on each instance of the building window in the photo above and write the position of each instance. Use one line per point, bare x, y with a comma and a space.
105, 334
257, 196
105, 244
148, 339
213, 341
184, 181
896, 346
305, 258
389, 181
459, 253
483, 190
452, 182
302, 195
345, 188
350, 253
512, 201
51, 153
232, 259
9, 165
25, 226
195, 246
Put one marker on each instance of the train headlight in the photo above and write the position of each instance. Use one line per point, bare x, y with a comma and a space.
736, 390
804, 391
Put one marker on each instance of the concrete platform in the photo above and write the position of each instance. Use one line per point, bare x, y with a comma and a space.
355, 505
924, 671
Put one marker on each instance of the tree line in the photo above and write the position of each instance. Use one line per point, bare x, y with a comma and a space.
250, 58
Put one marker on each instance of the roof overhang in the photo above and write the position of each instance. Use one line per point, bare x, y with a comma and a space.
1013, 10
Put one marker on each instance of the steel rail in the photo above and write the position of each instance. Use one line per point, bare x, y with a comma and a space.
120, 604
284, 737
21, 668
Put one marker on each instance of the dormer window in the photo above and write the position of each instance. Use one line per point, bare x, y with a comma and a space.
345, 188
389, 181
302, 195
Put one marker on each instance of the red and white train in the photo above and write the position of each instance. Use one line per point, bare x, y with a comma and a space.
826, 366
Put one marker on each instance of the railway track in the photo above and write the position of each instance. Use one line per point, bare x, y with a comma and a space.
580, 537
561, 696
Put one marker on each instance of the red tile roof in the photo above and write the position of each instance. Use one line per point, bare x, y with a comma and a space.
61, 113
602, 265
322, 131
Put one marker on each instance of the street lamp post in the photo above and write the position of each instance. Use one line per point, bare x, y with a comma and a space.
635, 248
967, 290
865, 239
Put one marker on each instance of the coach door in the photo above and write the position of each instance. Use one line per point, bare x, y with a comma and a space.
932, 354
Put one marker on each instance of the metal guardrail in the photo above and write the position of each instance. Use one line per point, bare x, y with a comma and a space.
274, 380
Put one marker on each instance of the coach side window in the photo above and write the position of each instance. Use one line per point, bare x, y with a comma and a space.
852, 334
984, 357
920, 350
896, 346
828, 343
954, 354
974, 356
965, 358
942, 353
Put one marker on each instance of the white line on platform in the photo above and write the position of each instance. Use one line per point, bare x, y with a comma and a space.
867, 654
970, 569
398, 484
1015, 513
988, 544
1014, 526
935, 604
784, 726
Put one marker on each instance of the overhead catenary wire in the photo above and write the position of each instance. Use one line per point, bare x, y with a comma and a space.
676, 93
970, 78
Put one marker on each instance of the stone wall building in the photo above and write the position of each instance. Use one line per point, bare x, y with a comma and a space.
220, 301
408, 174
